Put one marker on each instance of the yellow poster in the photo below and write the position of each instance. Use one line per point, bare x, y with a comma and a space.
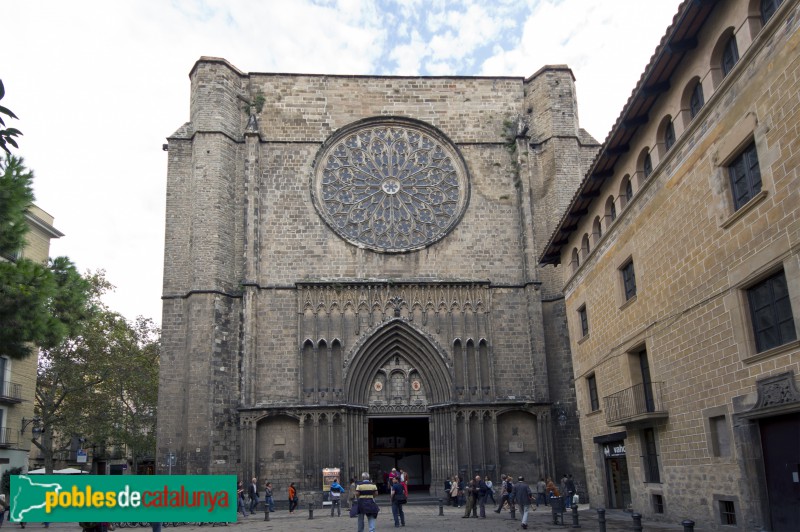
329, 474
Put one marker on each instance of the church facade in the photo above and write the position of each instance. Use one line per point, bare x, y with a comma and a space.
351, 277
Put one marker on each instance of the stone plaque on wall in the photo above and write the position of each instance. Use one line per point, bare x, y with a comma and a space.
516, 447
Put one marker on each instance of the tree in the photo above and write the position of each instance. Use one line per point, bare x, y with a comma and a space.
16, 197
39, 304
99, 383
6, 134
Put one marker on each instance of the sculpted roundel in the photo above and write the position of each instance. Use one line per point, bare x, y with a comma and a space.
390, 184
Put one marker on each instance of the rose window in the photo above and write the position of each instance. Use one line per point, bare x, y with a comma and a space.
390, 186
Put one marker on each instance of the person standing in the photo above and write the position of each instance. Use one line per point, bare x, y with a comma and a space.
447, 485
292, 498
253, 495
336, 497
367, 507
541, 490
351, 493
522, 496
399, 498
483, 493
454, 492
462, 487
471, 492
570, 485
269, 502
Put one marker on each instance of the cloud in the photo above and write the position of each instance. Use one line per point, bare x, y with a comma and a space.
98, 86
607, 45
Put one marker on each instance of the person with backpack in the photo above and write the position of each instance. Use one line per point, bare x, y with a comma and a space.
336, 497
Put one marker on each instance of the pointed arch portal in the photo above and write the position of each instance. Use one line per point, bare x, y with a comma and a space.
401, 377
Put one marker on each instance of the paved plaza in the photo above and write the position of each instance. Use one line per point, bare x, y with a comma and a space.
419, 517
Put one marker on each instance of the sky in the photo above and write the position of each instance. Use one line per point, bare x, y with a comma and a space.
99, 85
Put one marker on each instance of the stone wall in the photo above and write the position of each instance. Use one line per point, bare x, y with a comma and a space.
245, 243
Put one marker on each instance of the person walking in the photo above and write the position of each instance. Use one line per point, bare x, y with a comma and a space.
507, 490
336, 497
292, 498
269, 502
399, 498
241, 505
367, 507
253, 495
491, 491
522, 496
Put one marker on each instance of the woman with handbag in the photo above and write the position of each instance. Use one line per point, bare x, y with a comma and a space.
399, 498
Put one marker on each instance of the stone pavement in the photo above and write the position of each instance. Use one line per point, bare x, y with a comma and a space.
419, 517
426, 517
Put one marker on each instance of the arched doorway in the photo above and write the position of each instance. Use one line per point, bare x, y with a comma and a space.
403, 382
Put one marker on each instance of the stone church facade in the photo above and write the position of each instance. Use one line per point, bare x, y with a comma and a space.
351, 277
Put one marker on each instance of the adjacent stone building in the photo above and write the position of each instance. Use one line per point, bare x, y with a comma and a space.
351, 277
682, 250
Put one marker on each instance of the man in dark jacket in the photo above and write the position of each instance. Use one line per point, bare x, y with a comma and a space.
483, 492
253, 492
522, 496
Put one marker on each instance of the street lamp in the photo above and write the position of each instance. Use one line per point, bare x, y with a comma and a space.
36, 429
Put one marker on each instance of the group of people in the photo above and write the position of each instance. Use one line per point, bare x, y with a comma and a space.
243, 505
475, 494
364, 506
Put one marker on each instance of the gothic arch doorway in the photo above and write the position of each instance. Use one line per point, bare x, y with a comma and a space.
403, 384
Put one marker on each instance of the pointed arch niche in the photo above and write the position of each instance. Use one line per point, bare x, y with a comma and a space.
397, 339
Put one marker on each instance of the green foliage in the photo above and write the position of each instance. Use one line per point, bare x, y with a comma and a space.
100, 383
16, 197
259, 101
39, 304
6, 134
5, 482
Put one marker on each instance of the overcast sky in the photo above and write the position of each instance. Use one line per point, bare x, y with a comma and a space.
99, 85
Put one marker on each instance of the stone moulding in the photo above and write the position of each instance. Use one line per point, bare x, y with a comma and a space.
776, 395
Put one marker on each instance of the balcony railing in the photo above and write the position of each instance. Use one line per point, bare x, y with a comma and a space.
8, 437
635, 404
10, 392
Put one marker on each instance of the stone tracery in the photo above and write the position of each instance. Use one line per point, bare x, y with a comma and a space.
390, 186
